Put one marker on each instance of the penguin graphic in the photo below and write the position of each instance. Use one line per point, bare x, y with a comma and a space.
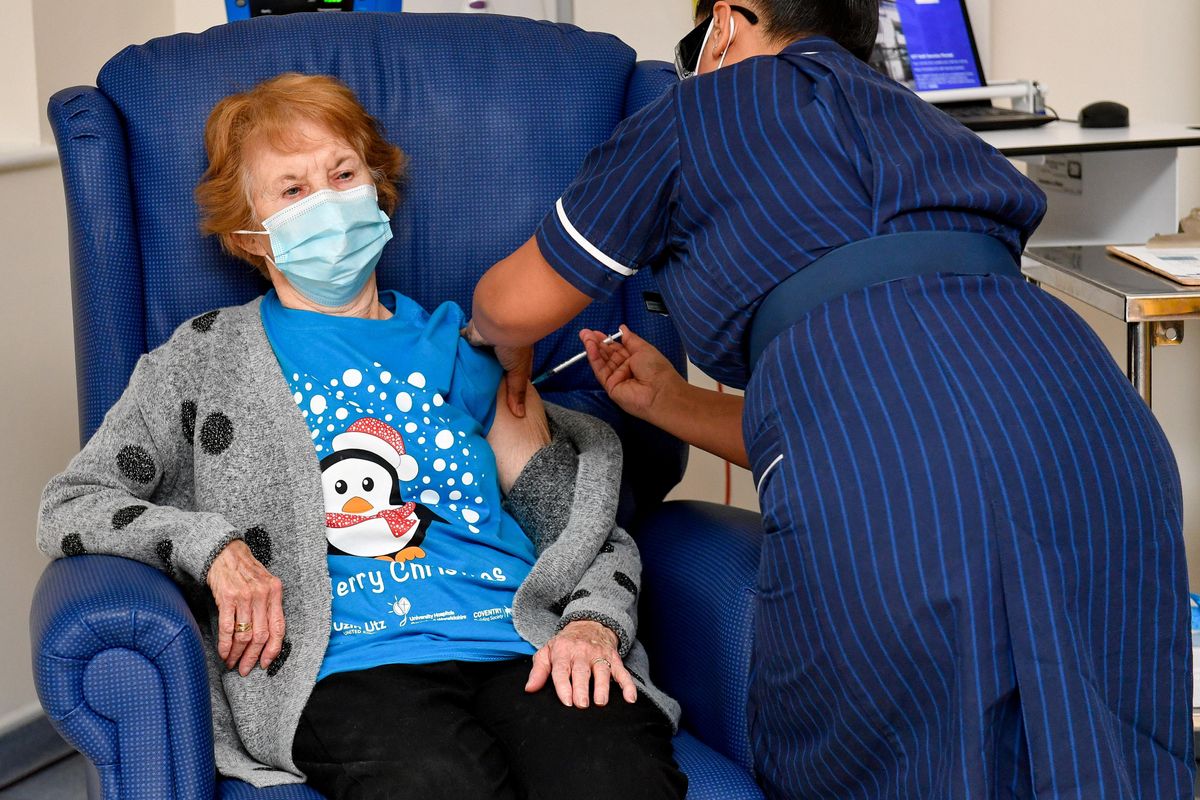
365, 514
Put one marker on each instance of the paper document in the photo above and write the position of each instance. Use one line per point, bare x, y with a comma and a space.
1180, 264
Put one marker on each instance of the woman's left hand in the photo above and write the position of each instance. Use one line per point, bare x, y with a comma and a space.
581, 651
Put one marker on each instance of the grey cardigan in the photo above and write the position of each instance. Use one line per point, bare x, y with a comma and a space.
206, 445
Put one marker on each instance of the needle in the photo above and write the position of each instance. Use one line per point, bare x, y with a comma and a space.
572, 361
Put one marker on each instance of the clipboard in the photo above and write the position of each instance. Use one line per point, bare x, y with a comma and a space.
1178, 264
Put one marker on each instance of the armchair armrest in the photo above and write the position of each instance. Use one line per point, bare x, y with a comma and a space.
120, 671
699, 578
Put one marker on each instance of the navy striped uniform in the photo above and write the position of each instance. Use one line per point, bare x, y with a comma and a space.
972, 582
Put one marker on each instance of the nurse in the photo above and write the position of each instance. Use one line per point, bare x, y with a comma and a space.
972, 581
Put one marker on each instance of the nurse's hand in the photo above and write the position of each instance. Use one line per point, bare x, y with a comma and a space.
583, 653
518, 369
645, 384
517, 363
633, 372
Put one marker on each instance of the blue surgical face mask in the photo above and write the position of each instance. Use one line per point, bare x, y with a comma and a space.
329, 243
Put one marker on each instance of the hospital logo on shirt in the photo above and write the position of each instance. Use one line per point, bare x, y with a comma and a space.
400, 607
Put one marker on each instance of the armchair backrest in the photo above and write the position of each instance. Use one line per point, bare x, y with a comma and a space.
495, 113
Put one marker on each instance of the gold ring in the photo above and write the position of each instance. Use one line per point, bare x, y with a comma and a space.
243, 627
603, 661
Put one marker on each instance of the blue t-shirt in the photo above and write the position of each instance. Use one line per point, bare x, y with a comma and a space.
423, 562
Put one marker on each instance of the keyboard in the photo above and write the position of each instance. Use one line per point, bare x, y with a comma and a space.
993, 118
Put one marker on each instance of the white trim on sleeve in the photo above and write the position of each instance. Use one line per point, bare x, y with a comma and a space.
591, 249
770, 468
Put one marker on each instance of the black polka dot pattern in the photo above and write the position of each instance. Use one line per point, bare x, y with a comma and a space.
126, 515
259, 542
72, 545
216, 434
625, 582
561, 604
165, 549
277, 664
136, 464
204, 322
187, 420
607, 548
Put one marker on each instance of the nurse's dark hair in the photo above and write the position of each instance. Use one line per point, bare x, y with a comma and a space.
851, 23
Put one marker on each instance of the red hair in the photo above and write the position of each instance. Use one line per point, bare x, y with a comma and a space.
267, 113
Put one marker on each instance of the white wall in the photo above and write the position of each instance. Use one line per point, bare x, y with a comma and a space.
193, 17
19, 124
651, 28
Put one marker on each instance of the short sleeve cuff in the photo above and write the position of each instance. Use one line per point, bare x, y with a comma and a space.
578, 260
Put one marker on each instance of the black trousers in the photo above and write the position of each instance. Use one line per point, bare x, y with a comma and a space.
468, 730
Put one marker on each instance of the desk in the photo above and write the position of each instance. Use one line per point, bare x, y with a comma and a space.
1136, 296
1129, 186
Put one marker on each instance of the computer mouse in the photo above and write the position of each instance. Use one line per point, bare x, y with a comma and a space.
1105, 114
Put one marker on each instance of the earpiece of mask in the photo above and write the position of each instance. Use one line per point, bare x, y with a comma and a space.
329, 243
728, 44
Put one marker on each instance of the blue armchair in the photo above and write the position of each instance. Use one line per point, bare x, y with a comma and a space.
496, 115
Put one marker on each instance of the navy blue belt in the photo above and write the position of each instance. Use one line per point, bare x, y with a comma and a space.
871, 262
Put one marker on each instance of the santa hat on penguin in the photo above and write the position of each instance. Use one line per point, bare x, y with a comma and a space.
380, 439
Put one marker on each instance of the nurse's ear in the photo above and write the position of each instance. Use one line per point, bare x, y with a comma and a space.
724, 29
734, 36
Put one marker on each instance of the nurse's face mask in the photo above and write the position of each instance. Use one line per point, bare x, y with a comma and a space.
328, 243
691, 47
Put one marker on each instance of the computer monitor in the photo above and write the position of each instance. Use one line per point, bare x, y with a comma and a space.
927, 45
245, 9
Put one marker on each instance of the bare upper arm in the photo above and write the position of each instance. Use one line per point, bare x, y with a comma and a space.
514, 439
522, 299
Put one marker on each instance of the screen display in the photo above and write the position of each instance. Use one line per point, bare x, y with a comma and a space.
926, 45
262, 8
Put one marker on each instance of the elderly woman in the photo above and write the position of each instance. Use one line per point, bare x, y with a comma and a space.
322, 470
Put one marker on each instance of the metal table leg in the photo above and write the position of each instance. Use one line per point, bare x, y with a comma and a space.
1138, 357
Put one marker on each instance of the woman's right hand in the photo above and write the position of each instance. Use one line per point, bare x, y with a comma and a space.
246, 593
633, 372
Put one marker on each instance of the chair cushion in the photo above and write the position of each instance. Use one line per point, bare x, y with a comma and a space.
711, 776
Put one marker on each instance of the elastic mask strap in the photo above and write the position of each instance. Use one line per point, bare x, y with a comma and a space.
261, 233
729, 44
